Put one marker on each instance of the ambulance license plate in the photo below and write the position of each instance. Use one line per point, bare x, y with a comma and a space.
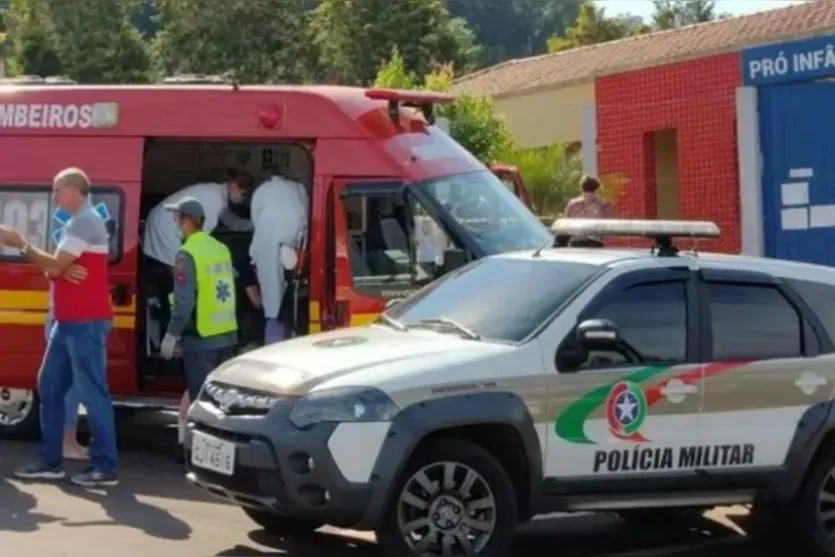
212, 454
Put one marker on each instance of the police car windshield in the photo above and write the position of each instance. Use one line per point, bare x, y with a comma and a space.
497, 298
488, 211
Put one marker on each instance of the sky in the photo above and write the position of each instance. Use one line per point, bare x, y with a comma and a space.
735, 7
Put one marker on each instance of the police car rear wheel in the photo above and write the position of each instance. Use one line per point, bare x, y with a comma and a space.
454, 498
283, 525
811, 515
19, 416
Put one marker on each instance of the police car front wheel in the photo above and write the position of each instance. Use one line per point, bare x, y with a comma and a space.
454, 498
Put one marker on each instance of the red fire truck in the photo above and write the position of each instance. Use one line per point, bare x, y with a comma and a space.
358, 152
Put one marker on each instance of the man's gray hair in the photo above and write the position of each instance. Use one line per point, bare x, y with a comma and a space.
74, 178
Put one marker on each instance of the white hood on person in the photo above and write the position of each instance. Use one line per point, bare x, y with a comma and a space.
279, 214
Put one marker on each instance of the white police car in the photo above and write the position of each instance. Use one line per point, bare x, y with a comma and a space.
567, 379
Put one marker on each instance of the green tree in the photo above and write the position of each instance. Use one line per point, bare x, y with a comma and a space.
257, 41
514, 28
671, 14
97, 43
551, 175
473, 121
593, 26
31, 43
354, 38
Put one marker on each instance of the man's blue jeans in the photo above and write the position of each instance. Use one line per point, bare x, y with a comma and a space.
71, 401
76, 357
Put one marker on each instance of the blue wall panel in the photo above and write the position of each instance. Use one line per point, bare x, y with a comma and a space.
797, 139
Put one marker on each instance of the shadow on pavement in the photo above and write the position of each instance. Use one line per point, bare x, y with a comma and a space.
16, 510
125, 510
575, 536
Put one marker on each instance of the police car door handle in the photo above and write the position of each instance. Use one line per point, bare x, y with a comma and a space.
676, 390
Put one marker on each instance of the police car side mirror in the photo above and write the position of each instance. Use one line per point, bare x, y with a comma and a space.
598, 334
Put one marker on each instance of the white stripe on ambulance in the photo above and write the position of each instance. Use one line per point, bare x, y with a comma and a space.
46, 115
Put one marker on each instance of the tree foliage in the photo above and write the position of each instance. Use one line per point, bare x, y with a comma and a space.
356, 37
514, 28
256, 40
551, 175
593, 26
96, 41
671, 14
473, 121
31, 46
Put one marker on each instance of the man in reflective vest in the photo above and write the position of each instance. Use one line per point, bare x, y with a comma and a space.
203, 322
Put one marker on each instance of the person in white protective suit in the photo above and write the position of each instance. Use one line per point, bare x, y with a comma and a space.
279, 213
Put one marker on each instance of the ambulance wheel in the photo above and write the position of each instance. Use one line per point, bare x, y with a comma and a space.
454, 498
809, 518
283, 525
19, 414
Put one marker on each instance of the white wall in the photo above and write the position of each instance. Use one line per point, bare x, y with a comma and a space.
750, 171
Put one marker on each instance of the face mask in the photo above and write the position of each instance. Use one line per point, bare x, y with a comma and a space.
236, 197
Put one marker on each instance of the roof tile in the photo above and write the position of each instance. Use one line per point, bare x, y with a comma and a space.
704, 39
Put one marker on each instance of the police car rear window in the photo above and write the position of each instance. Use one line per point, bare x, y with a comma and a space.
499, 299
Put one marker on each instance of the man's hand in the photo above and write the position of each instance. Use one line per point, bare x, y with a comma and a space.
75, 274
11, 237
166, 349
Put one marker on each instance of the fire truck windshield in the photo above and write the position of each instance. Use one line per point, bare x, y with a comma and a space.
487, 210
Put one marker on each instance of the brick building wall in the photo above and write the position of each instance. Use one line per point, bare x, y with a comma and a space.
697, 100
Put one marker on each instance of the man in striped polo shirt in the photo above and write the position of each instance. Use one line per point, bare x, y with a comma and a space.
76, 352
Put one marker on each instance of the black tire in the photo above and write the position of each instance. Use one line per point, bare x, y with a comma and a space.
801, 518
467, 454
27, 430
283, 525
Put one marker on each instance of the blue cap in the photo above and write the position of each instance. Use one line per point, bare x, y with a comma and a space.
188, 206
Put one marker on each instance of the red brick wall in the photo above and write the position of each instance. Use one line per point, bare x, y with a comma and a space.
696, 98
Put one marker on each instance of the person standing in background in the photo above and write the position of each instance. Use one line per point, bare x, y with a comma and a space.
588, 205
76, 352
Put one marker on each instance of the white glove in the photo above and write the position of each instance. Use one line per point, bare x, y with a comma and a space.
169, 344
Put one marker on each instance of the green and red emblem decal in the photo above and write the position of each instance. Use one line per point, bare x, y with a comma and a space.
626, 410
627, 403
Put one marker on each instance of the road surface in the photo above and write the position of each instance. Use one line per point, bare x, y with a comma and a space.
155, 512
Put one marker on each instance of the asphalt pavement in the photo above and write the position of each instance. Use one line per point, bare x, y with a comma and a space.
155, 512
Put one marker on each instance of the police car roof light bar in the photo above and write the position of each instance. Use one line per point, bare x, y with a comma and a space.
662, 231
638, 228
423, 100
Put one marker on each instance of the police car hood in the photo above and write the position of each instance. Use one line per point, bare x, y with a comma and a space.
294, 367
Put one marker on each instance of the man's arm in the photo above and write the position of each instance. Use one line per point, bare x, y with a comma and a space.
234, 222
185, 294
77, 237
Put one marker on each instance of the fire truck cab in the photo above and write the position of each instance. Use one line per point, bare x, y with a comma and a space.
394, 204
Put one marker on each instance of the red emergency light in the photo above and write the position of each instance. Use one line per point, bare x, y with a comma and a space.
423, 100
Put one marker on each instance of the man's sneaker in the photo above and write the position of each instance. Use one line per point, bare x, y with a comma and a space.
95, 478
40, 471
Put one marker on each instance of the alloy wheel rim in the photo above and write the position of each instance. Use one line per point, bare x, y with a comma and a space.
446, 509
15, 406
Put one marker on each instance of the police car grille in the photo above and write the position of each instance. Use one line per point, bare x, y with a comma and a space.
247, 481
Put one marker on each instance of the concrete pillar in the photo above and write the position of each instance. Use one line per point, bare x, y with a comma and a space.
750, 171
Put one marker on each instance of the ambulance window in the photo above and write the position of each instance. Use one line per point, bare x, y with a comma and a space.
27, 210
108, 203
383, 233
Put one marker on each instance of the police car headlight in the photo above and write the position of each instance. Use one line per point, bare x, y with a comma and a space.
343, 404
